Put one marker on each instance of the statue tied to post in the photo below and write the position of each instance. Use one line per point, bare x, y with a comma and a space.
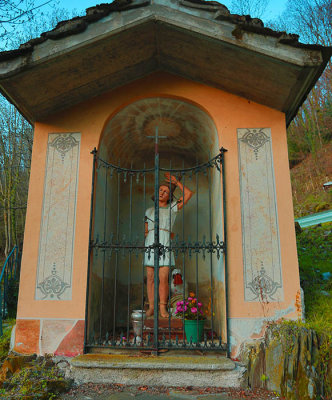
168, 209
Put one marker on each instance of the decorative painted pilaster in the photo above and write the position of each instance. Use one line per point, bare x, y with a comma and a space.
260, 233
57, 231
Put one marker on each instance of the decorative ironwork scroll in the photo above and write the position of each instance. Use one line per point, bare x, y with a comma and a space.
260, 233
119, 254
57, 231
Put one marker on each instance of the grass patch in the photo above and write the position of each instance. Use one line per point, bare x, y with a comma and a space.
5, 338
308, 178
314, 246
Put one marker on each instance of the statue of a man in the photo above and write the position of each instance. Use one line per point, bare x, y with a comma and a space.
168, 209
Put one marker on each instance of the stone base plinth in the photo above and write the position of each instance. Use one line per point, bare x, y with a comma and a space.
164, 370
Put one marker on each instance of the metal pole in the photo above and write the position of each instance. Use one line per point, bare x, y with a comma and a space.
197, 230
222, 150
116, 260
183, 264
142, 298
170, 257
101, 312
129, 267
211, 259
156, 244
94, 152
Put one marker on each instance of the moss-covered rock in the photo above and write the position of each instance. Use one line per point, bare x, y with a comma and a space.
32, 377
292, 360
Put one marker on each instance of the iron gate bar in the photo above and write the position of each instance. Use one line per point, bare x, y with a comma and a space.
104, 256
211, 261
143, 266
184, 266
214, 162
217, 246
158, 249
197, 290
156, 245
94, 153
116, 256
223, 174
170, 260
130, 238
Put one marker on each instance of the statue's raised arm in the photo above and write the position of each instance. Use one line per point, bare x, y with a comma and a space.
186, 192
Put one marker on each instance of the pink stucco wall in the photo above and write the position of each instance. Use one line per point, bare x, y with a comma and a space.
229, 112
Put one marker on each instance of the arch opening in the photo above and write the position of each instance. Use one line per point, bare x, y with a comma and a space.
117, 282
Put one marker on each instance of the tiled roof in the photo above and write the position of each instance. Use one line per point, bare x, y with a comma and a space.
244, 23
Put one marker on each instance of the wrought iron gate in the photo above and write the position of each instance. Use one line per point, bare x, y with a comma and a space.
111, 318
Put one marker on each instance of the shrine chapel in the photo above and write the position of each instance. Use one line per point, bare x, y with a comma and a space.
136, 96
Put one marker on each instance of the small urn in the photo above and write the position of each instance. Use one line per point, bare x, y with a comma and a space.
138, 318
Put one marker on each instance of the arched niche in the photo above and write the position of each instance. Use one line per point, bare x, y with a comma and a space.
121, 201
190, 131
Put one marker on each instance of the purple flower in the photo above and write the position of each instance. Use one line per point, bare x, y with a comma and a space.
194, 310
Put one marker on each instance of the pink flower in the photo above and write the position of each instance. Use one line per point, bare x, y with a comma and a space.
179, 303
190, 298
185, 308
194, 310
199, 304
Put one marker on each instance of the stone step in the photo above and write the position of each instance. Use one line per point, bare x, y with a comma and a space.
167, 369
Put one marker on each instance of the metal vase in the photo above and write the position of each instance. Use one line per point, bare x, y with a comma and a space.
138, 318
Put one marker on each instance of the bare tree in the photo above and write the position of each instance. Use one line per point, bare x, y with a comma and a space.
15, 156
311, 128
254, 8
43, 22
311, 19
14, 13
16, 135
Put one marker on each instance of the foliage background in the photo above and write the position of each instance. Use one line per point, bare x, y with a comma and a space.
309, 135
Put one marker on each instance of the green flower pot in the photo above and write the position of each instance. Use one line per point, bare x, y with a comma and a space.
190, 329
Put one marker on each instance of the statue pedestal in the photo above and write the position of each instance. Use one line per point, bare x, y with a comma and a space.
176, 323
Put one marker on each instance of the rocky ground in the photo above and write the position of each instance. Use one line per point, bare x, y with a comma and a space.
122, 392
36, 377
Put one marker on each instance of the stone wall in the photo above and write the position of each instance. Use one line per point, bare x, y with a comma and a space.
291, 360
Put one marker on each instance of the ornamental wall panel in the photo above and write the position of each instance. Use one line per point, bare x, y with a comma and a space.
260, 232
57, 230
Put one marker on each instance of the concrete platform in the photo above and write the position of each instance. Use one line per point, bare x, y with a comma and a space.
164, 370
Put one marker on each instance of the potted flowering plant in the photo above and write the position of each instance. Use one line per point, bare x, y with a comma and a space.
194, 320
